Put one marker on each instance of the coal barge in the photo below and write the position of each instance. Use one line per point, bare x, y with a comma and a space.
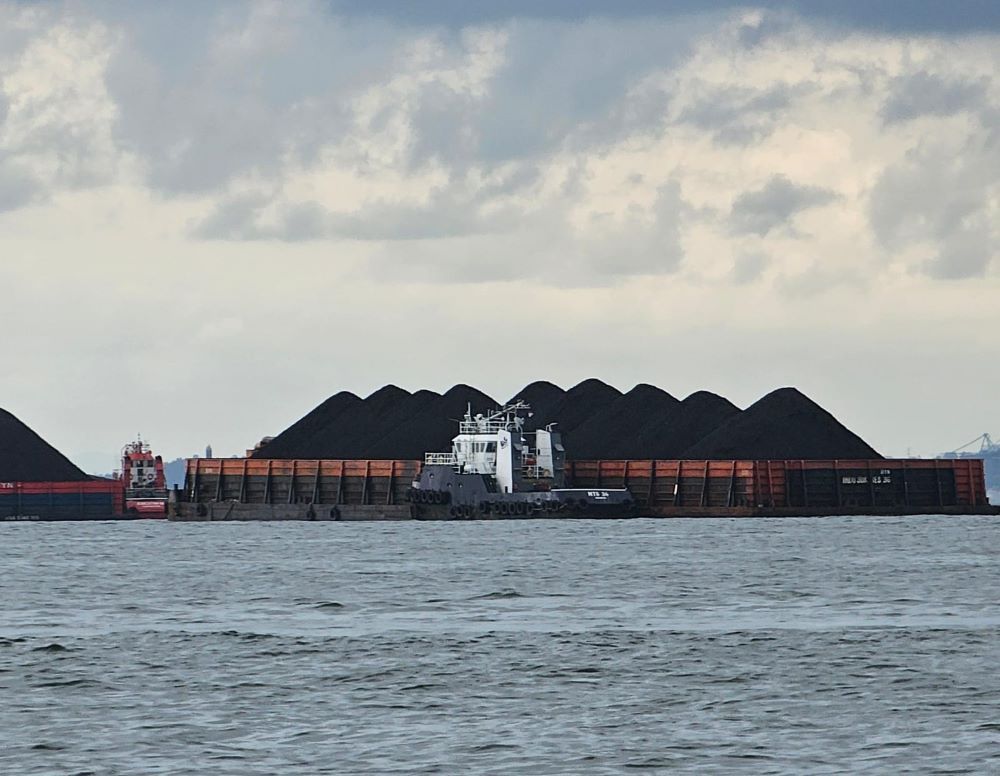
496, 470
37, 483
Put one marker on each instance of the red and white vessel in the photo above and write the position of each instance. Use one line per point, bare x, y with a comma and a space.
144, 480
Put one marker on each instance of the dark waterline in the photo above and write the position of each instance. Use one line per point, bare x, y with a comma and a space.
710, 646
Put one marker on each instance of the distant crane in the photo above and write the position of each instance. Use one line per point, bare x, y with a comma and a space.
986, 445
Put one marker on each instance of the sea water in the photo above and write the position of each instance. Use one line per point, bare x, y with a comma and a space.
505, 647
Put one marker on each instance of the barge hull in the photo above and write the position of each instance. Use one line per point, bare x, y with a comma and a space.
61, 501
261, 489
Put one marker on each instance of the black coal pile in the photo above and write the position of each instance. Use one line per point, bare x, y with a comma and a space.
26, 457
577, 405
317, 432
391, 423
544, 398
614, 429
433, 426
670, 433
785, 424
597, 422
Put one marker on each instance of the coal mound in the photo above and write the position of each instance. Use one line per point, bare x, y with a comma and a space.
669, 434
574, 407
26, 457
785, 424
544, 397
432, 426
614, 429
315, 433
390, 424
597, 422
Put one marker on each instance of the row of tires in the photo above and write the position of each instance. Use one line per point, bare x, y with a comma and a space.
513, 509
418, 496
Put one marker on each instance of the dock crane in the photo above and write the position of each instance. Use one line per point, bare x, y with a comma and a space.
986, 445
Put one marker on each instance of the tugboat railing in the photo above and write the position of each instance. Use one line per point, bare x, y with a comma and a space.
445, 459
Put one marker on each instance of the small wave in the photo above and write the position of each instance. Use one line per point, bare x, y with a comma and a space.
51, 648
653, 762
505, 593
329, 605
47, 748
492, 747
71, 683
241, 635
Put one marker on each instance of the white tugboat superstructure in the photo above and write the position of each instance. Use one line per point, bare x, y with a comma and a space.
497, 469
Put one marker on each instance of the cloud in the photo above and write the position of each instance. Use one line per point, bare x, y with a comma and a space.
625, 142
964, 254
55, 112
942, 200
927, 94
742, 115
17, 187
760, 211
749, 268
915, 15
215, 93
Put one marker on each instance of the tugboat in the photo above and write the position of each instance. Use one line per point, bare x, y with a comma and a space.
144, 480
496, 470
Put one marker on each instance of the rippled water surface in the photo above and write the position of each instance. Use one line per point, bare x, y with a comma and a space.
710, 646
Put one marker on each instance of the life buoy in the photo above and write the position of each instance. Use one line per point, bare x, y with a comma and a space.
522, 508
503, 508
467, 511
334, 513
453, 512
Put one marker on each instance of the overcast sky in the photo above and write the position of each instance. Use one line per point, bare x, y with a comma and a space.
214, 215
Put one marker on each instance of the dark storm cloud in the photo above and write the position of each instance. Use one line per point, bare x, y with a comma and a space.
883, 15
774, 205
926, 94
580, 84
214, 93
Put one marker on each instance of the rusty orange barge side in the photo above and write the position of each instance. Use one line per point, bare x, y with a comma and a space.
261, 489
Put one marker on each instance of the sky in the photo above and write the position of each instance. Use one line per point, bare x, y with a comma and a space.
215, 215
